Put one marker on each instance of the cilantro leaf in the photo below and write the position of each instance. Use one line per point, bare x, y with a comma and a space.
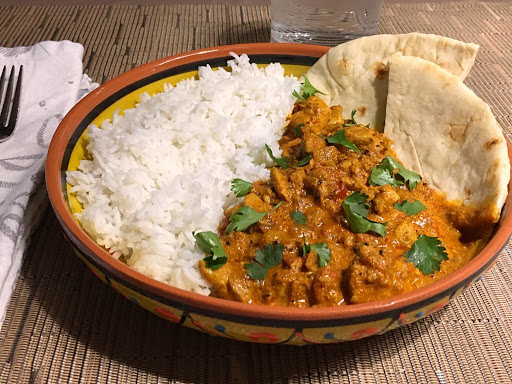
277, 205
306, 248
356, 211
296, 131
321, 249
356, 198
306, 90
323, 252
298, 217
244, 218
304, 161
352, 122
215, 264
410, 208
209, 243
256, 271
282, 162
384, 174
267, 257
340, 138
411, 178
240, 187
352, 116
426, 254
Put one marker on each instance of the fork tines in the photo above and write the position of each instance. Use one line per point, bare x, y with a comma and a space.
10, 105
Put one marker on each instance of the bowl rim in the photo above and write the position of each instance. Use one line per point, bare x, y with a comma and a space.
68, 126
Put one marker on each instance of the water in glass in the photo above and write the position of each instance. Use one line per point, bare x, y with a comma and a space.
325, 22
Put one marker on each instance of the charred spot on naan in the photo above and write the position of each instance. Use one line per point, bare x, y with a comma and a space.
491, 143
344, 66
381, 70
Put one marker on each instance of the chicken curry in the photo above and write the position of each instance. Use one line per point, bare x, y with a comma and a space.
340, 221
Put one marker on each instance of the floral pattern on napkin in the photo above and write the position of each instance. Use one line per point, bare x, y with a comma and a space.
53, 81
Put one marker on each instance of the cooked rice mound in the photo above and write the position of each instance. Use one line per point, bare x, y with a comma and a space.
163, 169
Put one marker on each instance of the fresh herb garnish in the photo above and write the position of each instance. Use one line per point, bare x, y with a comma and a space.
209, 243
277, 205
306, 248
296, 131
298, 217
427, 254
352, 122
323, 252
304, 161
282, 162
340, 138
356, 211
244, 218
267, 257
384, 174
240, 187
410, 208
321, 249
214, 263
306, 90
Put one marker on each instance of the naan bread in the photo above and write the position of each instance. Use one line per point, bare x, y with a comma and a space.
447, 134
355, 74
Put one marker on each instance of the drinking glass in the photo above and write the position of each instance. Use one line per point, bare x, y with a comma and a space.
324, 22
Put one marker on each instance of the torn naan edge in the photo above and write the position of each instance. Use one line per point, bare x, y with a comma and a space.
447, 134
355, 74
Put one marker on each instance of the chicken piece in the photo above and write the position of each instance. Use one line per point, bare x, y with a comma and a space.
311, 142
240, 289
266, 193
252, 200
325, 183
314, 113
297, 178
288, 146
368, 140
219, 278
406, 234
280, 182
311, 261
327, 287
377, 274
291, 257
336, 115
384, 200
298, 295
327, 156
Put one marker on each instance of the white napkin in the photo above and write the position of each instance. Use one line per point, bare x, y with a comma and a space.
53, 82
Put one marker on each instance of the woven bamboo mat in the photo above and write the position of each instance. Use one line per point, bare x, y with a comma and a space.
63, 325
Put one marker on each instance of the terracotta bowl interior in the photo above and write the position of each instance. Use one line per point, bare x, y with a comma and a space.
96, 104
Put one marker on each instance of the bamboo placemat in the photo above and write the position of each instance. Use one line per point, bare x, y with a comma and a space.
63, 325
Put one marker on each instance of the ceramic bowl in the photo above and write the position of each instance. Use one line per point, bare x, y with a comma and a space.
216, 316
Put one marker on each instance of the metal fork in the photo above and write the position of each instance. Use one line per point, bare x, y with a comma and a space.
11, 105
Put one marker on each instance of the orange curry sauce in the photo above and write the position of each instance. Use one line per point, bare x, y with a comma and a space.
362, 267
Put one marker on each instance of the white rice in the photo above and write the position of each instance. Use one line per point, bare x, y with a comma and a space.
163, 169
